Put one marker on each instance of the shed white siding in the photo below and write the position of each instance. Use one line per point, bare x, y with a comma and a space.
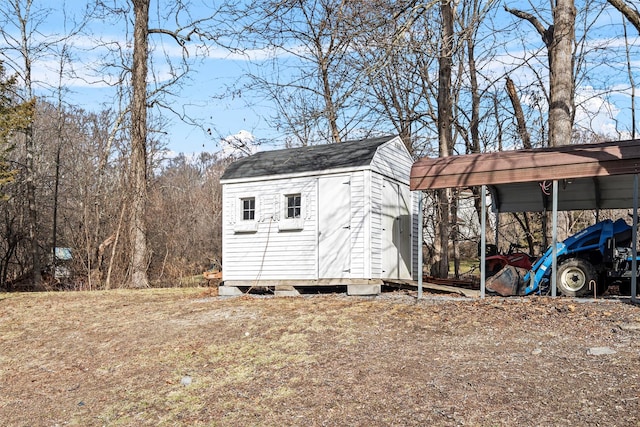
392, 218
358, 218
269, 252
393, 161
376, 225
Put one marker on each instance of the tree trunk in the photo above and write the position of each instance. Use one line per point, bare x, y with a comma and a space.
561, 92
138, 229
633, 84
475, 97
330, 108
30, 183
559, 39
474, 146
445, 136
36, 275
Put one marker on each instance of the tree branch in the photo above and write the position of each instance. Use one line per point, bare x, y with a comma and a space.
517, 107
545, 33
630, 12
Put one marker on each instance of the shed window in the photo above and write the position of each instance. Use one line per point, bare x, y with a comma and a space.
249, 209
294, 205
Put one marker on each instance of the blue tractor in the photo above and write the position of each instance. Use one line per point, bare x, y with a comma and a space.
588, 262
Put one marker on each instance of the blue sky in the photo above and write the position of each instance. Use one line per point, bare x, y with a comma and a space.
201, 99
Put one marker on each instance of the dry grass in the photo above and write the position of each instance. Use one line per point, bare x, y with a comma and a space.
185, 357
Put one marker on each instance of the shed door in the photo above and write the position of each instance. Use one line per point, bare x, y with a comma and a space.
334, 233
396, 231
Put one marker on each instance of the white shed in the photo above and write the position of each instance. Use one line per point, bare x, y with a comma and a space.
324, 215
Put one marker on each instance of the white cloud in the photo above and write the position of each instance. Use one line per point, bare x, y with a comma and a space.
240, 144
595, 112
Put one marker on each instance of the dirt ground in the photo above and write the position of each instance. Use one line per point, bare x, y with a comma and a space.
187, 357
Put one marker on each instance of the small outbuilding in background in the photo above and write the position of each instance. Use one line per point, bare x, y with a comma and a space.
325, 215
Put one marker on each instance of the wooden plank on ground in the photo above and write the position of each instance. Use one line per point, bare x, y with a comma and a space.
437, 287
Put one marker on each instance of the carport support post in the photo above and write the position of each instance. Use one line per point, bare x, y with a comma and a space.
420, 241
634, 250
554, 239
483, 238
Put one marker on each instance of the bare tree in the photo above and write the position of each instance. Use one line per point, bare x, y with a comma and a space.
632, 82
25, 46
440, 264
559, 39
138, 179
471, 16
630, 12
397, 65
411, 84
14, 117
185, 201
19, 15
179, 23
305, 73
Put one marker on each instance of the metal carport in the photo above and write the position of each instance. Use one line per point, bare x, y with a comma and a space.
573, 177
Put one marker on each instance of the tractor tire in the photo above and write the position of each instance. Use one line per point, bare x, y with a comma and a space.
574, 276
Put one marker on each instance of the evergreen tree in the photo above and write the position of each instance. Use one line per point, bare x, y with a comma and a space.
14, 118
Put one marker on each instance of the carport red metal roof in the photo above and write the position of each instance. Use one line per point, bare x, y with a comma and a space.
591, 176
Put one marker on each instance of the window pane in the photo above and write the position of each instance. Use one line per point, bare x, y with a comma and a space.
294, 204
248, 209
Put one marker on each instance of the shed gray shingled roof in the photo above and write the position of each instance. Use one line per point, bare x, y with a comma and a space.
306, 159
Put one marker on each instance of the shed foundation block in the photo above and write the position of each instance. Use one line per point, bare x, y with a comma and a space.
286, 291
364, 289
229, 291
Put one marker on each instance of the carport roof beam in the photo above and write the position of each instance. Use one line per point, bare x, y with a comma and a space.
543, 164
593, 176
